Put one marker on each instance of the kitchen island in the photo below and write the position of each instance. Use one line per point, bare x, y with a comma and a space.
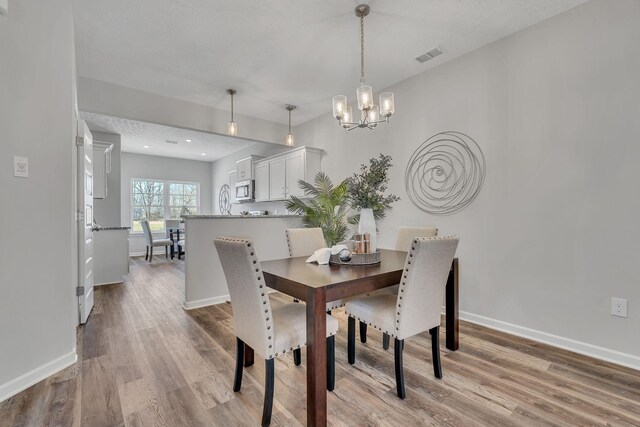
205, 283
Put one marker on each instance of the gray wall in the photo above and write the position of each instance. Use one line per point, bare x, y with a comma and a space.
107, 211
164, 168
37, 99
554, 233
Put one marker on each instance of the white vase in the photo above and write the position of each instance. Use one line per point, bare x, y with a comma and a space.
367, 224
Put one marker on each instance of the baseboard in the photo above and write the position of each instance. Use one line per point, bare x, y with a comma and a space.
586, 349
137, 254
190, 305
36, 375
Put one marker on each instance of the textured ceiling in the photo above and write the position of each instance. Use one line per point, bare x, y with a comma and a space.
135, 135
282, 51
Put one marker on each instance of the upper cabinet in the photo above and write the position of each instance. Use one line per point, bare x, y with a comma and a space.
277, 176
244, 168
101, 168
262, 181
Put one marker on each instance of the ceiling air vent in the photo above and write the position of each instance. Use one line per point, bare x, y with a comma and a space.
171, 142
430, 55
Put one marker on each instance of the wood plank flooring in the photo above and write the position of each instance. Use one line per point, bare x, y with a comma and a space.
144, 361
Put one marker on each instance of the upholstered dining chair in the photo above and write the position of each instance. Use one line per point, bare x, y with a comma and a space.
271, 332
403, 243
417, 306
152, 243
304, 242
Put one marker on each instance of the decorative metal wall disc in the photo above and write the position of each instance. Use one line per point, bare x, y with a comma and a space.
224, 200
445, 174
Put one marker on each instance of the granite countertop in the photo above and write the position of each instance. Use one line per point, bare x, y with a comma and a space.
239, 216
111, 228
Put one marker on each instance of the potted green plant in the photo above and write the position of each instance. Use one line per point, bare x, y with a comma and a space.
367, 196
325, 206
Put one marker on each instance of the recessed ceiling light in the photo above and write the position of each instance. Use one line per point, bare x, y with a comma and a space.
145, 146
203, 154
188, 140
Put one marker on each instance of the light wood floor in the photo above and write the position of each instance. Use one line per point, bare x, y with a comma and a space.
144, 361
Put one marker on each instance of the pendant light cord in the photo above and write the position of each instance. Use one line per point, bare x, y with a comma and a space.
231, 107
362, 49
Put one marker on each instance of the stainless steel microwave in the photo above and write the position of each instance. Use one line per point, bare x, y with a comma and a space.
244, 190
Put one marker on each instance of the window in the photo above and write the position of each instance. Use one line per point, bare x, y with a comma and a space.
156, 200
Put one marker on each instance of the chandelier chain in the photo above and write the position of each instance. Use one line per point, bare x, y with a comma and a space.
362, 49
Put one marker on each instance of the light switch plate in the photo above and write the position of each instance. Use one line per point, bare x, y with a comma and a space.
4, 7
20, 167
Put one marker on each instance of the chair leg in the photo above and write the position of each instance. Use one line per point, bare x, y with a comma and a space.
166, 252
363, 332
397, 345
385, 341
435, 351
351, 340
331, 362
150, 253
146, 254
179, 252
297, 357
268, 391
237, 381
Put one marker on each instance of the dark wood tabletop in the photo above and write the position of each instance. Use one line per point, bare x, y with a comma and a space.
318, 284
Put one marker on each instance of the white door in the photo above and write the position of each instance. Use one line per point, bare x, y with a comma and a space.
84, 144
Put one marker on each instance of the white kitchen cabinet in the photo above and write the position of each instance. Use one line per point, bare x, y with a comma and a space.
262, 181
277, 179
244, 168
294, 171
284, 172
101, 169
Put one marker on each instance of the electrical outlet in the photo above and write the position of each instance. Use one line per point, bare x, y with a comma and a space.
619, 307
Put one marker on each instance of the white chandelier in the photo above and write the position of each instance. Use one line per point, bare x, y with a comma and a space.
369, 112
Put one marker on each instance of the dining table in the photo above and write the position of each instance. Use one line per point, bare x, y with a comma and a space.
318, 284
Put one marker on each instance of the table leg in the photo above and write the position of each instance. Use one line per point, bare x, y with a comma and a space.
248, 355
316, 358
452, 320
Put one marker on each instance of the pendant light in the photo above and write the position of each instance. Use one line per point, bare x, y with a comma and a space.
232, 127
369, 112
288, 139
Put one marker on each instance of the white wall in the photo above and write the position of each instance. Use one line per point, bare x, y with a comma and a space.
554, 233
37, 99
162, 168
107, 211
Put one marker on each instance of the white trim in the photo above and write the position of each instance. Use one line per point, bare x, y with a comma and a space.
36, 375
608, 355
190, 305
